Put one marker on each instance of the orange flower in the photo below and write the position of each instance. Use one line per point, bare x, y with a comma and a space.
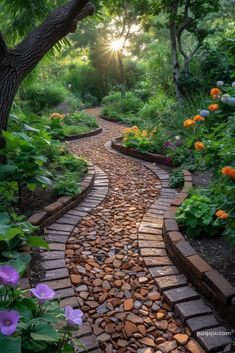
189, 122
228, 171
135, 128
215, 91
198, 118
144, 133
199, 146
57, 116
222, 215
213, 107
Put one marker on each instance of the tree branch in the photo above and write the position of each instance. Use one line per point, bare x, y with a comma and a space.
57, 25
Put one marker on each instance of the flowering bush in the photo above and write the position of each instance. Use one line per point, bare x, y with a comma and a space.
35, 324
143, 140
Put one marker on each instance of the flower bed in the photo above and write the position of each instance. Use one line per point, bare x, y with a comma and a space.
147, 156
83, 135
208, 281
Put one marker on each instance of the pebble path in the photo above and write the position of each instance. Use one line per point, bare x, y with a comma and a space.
114, 288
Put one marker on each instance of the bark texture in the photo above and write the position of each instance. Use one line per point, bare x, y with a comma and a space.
17, 63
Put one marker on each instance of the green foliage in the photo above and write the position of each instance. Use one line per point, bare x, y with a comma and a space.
197, 215
177, 178
121, 107
41, 327
40, 97
66, 184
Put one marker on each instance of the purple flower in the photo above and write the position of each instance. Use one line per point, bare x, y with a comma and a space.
168, 160
220, 83
43, 293
8, 322
73, 316
167, 144
9, 276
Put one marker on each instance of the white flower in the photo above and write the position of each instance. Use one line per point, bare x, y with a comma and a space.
233, 84
220, 83
177, 138
225, 98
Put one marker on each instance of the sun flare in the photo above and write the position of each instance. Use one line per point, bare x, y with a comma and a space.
116, 44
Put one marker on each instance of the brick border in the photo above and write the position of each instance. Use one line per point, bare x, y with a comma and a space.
112, 120
54, 262
63, 204
146, 156
207, 280
184, 300
85, 134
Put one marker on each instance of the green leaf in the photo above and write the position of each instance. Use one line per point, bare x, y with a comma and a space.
43, 180
10, 344
38, 242
45, 333
67, 349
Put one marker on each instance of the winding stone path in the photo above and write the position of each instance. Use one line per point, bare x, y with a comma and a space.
115, 256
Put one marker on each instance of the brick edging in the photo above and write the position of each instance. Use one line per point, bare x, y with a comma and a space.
112, 120
146, 156
83, 135
53, 211
54, 263
207, 280
184, 300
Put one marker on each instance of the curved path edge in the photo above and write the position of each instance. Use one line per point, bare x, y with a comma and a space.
53, 264
184, 300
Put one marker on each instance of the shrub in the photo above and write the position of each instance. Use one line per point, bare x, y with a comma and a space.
40, 97
177, 179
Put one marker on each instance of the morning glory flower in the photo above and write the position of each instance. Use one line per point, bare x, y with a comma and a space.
8, 321
73, 316
233, 84
9, 276
225, 98
231, 101
220, 83
204, 113
43, 293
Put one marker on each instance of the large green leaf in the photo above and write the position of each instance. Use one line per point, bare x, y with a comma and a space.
37, 241
43, 332
10, 344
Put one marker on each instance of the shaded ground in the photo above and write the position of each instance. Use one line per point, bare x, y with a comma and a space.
114, 288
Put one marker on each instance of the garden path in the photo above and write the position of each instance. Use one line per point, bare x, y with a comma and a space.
115, 290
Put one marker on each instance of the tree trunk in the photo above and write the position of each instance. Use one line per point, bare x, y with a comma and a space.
175, 62
122, 73
17, 63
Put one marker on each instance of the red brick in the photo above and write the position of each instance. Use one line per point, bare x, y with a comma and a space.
179, 199
220, 287
53, 207
197, 265
183, 248
175, 237
168, 282
170, 225
65, 199
170, 213
157, 261
37, 218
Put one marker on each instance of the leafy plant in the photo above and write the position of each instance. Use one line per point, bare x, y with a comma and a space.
177, 179
197, 215
34, 324
66, 184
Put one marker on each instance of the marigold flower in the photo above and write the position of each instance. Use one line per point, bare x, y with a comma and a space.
144, 133
57, 116
199, 146
215, 91
189, 122
227, 170
213, 107
198, 118
222, 215
135, 128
